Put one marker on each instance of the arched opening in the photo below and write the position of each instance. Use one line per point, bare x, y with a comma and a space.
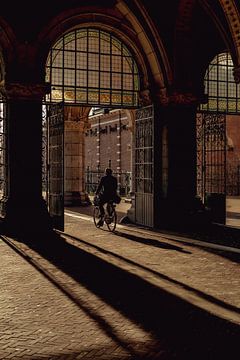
109, 143
86, 68
218, 128
92, 67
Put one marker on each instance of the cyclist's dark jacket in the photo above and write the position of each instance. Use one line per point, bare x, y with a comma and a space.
107, 187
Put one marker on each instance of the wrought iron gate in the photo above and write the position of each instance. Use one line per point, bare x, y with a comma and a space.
144, 166
3, 158
55, 173
211, 162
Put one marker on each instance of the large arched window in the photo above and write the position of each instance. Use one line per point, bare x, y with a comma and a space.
223, 92
91, 66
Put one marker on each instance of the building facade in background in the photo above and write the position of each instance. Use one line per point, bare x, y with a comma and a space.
109, 143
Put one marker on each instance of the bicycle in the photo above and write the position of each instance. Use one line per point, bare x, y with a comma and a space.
109, 218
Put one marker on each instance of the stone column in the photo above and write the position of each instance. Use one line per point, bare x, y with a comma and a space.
74, 156
180, 118
25, 210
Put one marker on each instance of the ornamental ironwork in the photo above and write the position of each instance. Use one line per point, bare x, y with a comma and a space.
53, 161
3, 157
211, 154
144, 162
44, 152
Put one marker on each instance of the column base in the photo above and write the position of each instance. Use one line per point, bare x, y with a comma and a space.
177, 214
25, 218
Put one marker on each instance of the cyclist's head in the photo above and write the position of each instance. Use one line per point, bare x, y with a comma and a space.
108, 171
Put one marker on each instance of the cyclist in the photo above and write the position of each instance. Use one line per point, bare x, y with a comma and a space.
107, 191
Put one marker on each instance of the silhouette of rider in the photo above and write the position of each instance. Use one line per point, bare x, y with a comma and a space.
107, 191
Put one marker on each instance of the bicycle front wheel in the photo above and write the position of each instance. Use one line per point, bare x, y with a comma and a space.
111, 224
96, 215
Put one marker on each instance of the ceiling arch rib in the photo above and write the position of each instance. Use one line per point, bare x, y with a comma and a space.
162, 79
183, 35
125, 25
233, 17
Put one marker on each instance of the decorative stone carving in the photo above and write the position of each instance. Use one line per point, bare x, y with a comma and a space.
2, 68
232, 15
73, 125
163, 97
177, 98
183, 99
145, 98
24, 91
75, 117
236, 74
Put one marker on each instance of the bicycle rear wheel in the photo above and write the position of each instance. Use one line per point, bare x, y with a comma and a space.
96, 216
112, 219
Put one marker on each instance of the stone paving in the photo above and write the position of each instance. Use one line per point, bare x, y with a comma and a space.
134, 294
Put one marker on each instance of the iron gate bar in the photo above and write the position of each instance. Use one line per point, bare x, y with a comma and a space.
55, 118
211, 153
144, 161
211, 162
3, 156
44, 152
93, 177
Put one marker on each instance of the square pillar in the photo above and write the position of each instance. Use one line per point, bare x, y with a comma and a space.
25, 210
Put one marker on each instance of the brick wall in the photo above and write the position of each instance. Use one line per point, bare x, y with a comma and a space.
108, 143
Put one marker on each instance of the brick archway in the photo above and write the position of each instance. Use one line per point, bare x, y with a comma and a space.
123, 23
233, 18
183, 28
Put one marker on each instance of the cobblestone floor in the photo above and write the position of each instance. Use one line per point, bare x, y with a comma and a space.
135, 294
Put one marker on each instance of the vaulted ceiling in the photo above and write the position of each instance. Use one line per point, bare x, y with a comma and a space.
178, 37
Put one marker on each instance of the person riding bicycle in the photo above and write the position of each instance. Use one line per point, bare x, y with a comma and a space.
107, 191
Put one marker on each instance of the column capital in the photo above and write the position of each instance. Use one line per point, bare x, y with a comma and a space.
145, 98
162, 96
73, 125
177, 98
75, 117
21, 91
236, 74
183, 98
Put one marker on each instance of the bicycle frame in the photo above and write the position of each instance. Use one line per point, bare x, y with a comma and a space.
110, 216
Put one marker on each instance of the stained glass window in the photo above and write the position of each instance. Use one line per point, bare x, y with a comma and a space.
92, 67
223, 92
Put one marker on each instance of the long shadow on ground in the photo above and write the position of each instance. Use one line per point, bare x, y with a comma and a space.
179, 329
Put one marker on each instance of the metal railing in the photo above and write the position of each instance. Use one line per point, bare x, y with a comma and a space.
93, 177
